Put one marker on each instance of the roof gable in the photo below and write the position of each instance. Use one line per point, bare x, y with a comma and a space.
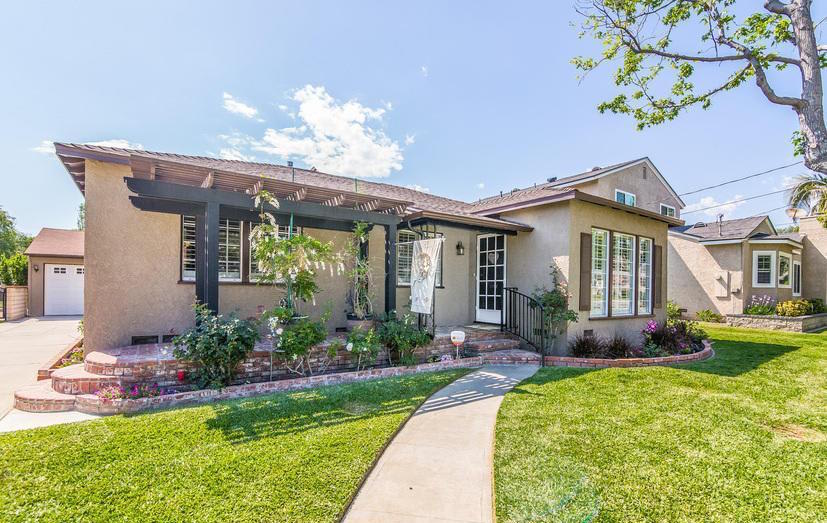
56, 242
738, 229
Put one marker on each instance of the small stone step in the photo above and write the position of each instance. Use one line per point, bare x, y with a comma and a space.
42, 398
75, 379
494, 344
511, 357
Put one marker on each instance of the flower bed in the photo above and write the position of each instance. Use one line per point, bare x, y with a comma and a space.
73, 352
597, 363
808, 323
104, 404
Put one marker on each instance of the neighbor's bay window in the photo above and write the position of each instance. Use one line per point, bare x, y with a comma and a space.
785, 262
644, 293
623, 274
763, 268
796, 278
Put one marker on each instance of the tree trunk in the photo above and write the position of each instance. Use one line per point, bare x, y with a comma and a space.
811, 112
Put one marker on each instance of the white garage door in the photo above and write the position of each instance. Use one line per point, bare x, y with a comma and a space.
63, 294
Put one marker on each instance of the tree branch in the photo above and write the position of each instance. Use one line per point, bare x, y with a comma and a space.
777, 7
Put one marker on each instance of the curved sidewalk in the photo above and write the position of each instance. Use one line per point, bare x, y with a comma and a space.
439, 466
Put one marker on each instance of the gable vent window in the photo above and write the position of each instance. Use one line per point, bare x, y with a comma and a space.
667, 210
626, 198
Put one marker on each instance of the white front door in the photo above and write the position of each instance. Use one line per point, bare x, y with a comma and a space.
490, 277
63, 292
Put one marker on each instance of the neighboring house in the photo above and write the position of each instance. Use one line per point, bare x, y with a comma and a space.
721, 265
56, 273
148, 249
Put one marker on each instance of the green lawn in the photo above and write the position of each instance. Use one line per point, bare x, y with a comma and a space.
284, 457
740, 437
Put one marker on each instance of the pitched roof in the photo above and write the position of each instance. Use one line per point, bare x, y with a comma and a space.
56, 242
738, 229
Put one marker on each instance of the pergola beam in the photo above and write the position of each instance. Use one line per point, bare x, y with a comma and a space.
335, 201
209, 180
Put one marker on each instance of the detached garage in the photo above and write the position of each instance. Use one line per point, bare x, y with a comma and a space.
56, 273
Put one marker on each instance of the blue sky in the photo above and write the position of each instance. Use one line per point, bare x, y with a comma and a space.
464, 99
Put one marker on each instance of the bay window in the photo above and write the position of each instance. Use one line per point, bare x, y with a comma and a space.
623, 274
644, 296
784, 270
763, 268
600, 273
796, 278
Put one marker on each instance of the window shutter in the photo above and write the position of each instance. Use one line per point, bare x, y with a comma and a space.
658, 275
585, 271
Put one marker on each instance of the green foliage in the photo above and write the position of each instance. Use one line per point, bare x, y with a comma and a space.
12, 241
673, 311
795, 308
810, 194
817, 306
555, 302
359, 273
14, 269
709, 316
296, 341
402, 336
760, 305
288, 457
217, 344
365, 345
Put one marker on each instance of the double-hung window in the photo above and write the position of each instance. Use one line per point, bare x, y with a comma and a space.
763, 268
229, 249
644, 293
404, 256
667, 210
626, 198
796, 278
623, 274
600, 273
785, 262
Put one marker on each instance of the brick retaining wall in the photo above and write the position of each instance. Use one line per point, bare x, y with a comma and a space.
601, 363
809, 323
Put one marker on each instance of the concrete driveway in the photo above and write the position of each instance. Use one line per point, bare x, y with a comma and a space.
27, 344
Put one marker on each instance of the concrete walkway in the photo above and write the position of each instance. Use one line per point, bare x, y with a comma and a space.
27, 344
439, 466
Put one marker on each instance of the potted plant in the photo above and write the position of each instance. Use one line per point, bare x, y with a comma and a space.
359, 275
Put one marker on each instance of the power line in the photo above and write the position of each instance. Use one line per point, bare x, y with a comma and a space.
739, 179
734, 202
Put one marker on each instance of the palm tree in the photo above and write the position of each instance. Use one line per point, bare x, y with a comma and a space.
810, 194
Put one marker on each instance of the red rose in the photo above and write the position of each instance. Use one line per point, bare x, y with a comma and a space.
181, 375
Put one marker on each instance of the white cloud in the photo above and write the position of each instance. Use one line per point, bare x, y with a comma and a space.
45, 147
343, 138
424, 70
118, 143
410, 139
236, 107
417, 187
726, 208
231, 153
480, 185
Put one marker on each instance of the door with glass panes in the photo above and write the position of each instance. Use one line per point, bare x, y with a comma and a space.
491, 261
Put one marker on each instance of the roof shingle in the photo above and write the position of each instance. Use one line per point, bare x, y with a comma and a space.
56, 242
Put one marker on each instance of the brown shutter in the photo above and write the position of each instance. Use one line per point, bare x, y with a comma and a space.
585, 271
658, 275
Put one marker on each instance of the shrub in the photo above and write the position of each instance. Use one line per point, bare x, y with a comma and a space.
401, 336
14, 269
365, 345
217, 344
709, 316
760, 305
673, 311
295, 342
817, 306
586, 346
617, 347
74, 357
794, 308
678, 337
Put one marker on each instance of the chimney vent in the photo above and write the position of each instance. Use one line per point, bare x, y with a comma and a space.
552, 179
289, 163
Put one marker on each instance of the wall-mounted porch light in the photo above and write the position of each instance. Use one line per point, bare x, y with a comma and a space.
460, 248
36, 267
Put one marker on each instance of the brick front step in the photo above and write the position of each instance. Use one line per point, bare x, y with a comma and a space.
42, 398
511, 357
492, 345
75, 379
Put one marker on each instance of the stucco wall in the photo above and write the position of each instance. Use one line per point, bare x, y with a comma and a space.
649, 191
779, 293
814, 255
36, 279
133, 266
454, 301
693, 272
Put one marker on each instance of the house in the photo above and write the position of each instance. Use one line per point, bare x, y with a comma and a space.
721, 265
56, 273
164, 230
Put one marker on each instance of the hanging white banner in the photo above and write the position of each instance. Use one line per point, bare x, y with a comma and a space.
423, 274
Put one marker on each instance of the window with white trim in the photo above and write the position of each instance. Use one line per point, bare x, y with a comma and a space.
644, 293
623, 274
283, 234
796, 278
229, 249
763, 269
600, 273
404, 256
626, 198
785, 262
667, 210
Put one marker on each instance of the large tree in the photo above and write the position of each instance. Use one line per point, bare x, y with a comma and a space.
11, 240
657, 45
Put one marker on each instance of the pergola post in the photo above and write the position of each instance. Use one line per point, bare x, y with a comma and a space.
212, 219
201, 257
390, 267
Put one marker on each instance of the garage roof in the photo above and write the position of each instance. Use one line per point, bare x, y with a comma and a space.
57, 242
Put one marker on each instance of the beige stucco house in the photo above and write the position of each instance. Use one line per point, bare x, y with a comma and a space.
147, 213
720, 266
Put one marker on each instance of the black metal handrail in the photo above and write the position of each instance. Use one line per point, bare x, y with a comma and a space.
524, 317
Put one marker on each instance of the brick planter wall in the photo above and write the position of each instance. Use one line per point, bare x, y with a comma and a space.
601, 363
17, 298
93, 405
809, 323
